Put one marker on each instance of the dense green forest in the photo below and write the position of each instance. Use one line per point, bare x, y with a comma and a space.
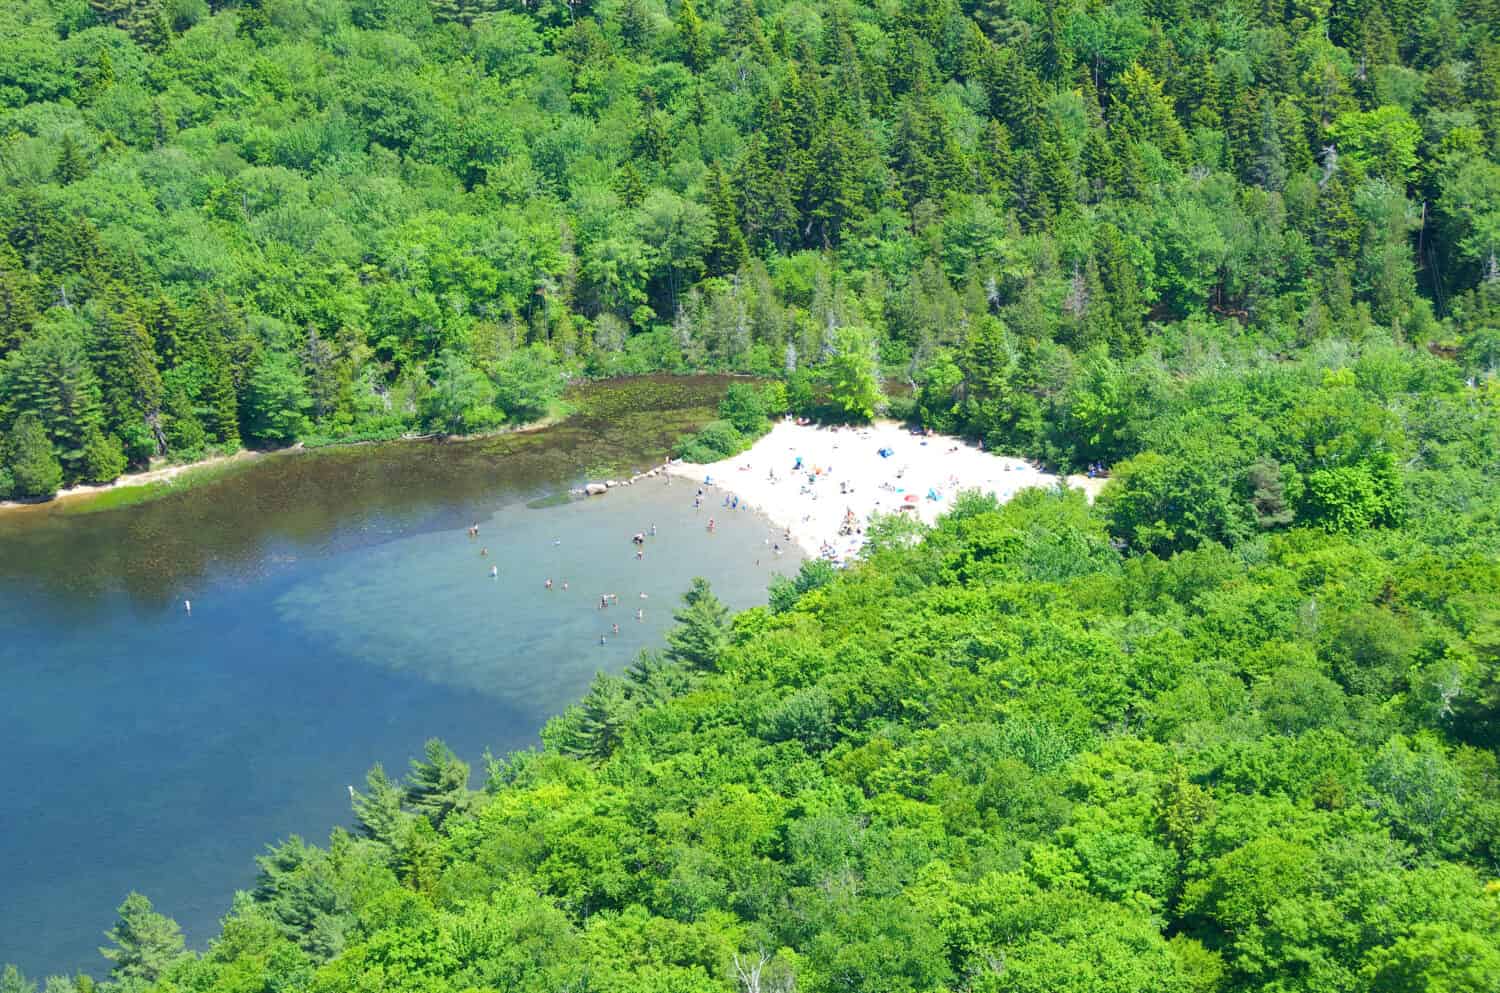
1233, 728
282, 220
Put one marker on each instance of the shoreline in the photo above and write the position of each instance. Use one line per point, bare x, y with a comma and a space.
881, 467
170, 473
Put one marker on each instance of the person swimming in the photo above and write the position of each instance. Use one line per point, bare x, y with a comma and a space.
187, 605
653, 530
483, 552
601, 639
614, 628
710, 523
565, 586
640, 615
494, 572
549, 582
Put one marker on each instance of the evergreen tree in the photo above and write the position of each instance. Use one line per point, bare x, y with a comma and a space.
691, 42
378, 811
728, 251
125, 361
634, 24
184, 430
602, 718
18, 303
702, 632
1101, 173
34, 469
100, 458
145, 945
50, 377
70, 165
438, 783
630, 186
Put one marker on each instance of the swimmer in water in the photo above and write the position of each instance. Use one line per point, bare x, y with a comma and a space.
187, 605
615, 628
653, 530
565, 586
494, 572
710, 523
549, 582
640, 615
483, 552
601, 639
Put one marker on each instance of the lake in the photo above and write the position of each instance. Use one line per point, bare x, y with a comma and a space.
341, 615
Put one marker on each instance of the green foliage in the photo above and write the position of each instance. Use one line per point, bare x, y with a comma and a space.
144, 944
702, 633
30, 462
854, 388
276, 403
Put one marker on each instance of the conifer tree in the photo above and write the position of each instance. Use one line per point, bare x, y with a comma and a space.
728, 251
702, 632
50, 376
691, 42
34, 469
378, 811
18, 302
100, 457
438, 783
124, 358
145, 943
601, 719
1101, 172
70, 165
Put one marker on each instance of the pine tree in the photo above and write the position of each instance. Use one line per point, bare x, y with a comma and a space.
34, 469
184, 430
728, 251
652, 141
635, 25
438, 783
1101, 173
125, 360
378, 811
702, 632
100, 458
692, 45
601, 720
18, 302
145, 943
70, 165
50, 376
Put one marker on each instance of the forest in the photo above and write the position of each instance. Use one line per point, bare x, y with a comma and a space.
1232, 728
277, 221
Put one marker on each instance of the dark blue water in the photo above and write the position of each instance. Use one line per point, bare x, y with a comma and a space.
341, 616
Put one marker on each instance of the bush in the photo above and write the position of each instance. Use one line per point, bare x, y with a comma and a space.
718, 440
744, 407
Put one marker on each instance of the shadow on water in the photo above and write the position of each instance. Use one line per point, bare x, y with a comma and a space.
298, 503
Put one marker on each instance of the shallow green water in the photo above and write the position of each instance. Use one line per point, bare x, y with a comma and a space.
341, 615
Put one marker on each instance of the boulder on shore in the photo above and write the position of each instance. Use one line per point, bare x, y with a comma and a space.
596, 489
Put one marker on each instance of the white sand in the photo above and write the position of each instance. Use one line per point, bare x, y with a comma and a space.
815, 511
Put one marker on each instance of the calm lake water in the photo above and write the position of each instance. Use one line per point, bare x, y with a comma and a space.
340, 616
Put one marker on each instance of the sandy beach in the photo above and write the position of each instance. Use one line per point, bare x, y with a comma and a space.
843, 470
